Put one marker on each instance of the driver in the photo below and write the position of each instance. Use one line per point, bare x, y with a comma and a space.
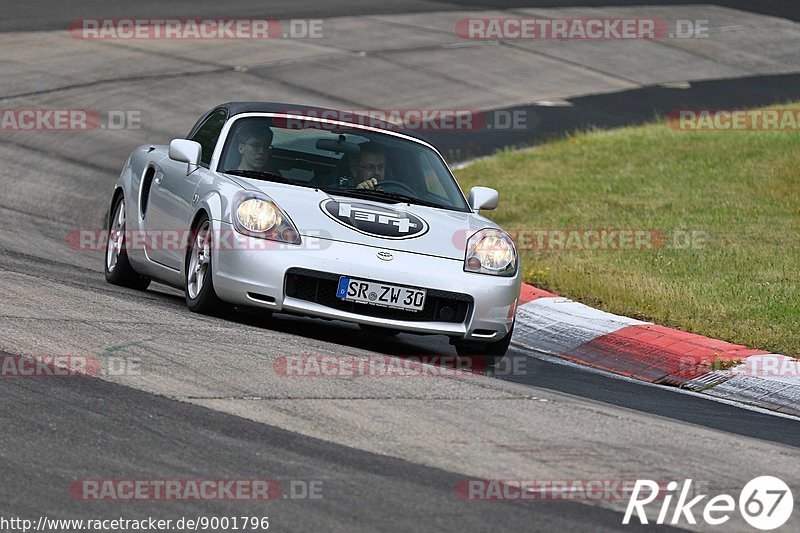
369, 166
254, 147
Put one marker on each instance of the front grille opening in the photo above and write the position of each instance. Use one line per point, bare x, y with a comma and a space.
320, 288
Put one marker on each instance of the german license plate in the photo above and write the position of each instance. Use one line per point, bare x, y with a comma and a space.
381, 294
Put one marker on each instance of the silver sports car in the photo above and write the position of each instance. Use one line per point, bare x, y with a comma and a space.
301, 213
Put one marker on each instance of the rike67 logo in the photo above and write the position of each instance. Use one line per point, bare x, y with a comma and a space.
765, 503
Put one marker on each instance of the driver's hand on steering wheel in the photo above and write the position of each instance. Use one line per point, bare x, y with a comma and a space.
368, 184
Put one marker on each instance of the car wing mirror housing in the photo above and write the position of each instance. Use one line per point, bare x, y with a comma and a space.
186, 151
483, 198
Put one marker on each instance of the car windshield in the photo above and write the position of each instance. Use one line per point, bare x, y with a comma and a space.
348, 161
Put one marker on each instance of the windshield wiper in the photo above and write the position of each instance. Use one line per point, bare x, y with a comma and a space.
378, 194
258, 174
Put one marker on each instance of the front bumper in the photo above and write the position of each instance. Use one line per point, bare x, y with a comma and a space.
253, 272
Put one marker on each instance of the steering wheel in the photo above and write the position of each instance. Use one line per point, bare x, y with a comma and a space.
397, 185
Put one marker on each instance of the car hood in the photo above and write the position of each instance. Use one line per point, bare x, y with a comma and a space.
399, 227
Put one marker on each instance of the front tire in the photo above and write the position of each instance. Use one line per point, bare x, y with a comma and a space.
199, 293
118, 269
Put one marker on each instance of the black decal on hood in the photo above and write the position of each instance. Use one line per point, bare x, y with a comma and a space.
378, 221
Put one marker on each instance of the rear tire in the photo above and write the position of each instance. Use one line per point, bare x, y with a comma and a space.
199, 293
118, 269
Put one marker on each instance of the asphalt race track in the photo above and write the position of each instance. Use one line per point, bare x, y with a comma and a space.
205, 399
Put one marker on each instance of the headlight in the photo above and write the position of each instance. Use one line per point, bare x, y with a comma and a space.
257, 215
491, 251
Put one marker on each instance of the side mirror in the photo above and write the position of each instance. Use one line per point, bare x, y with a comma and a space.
483, 198
185, 151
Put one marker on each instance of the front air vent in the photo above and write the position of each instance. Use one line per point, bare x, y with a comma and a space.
144, 196
263, 298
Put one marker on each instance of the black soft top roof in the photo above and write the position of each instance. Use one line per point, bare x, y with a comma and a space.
237, 108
